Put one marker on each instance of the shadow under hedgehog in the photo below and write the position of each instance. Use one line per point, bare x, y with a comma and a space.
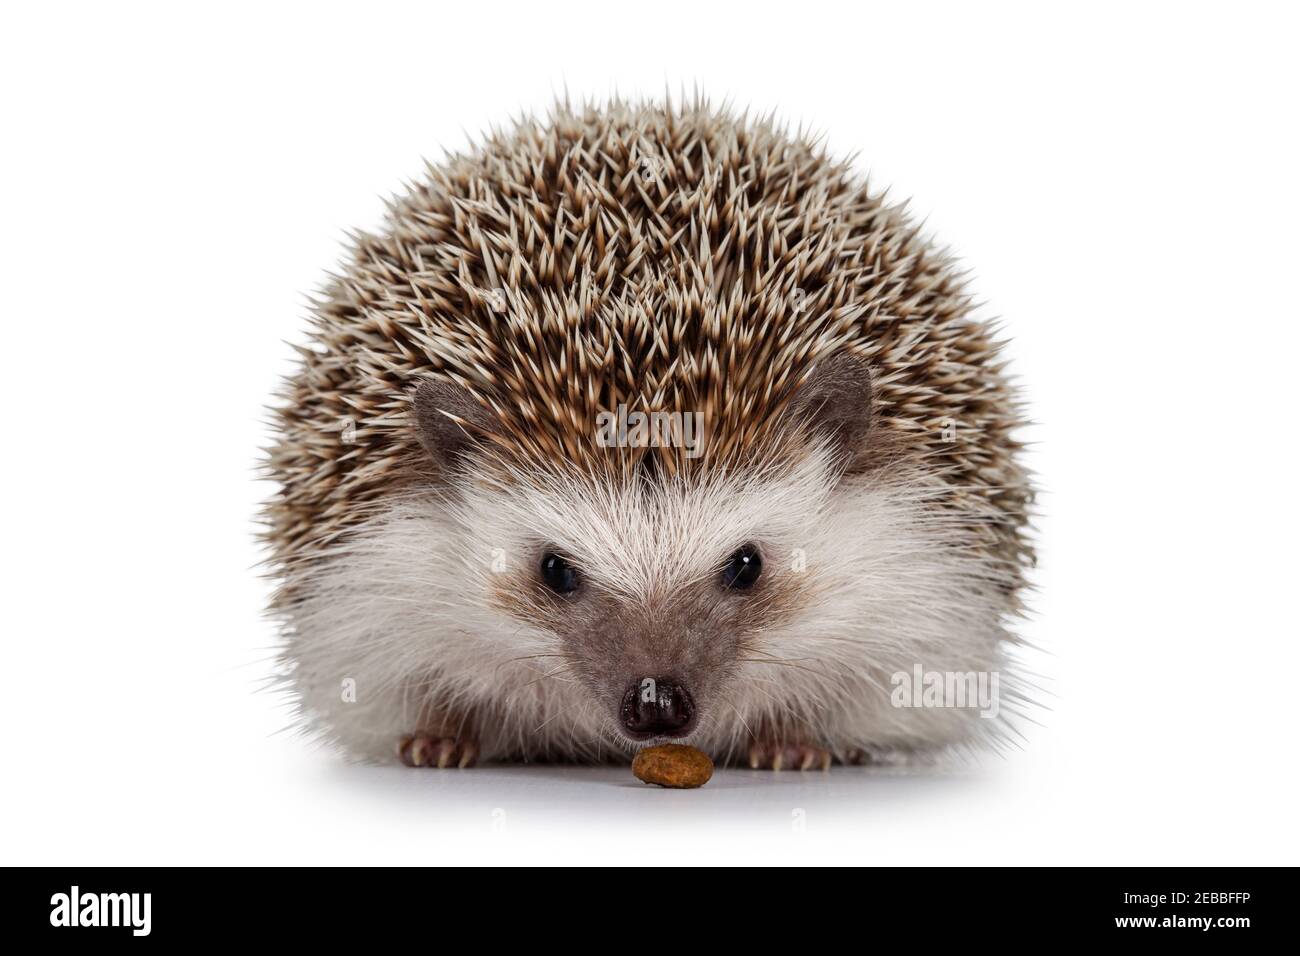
473, 564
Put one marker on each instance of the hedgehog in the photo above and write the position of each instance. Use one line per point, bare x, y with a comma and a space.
639, 423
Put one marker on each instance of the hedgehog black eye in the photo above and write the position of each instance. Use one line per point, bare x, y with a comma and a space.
743, 568
558, 574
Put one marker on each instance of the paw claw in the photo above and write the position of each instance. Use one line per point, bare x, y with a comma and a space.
468, 754
445, 749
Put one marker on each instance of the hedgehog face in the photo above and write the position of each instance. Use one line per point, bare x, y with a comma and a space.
654, 589
653, 592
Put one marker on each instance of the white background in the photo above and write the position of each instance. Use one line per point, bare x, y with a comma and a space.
1122, 180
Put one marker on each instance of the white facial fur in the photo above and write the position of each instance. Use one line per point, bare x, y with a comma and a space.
886, 579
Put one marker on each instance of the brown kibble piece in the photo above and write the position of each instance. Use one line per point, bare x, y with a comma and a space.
672, 765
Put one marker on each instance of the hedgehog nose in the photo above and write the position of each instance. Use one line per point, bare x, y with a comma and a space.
656, 707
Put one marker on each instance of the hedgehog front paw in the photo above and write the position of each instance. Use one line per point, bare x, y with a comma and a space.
419, 750
768, 755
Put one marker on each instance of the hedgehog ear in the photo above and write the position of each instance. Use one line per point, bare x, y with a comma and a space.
834, 403
449, 420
